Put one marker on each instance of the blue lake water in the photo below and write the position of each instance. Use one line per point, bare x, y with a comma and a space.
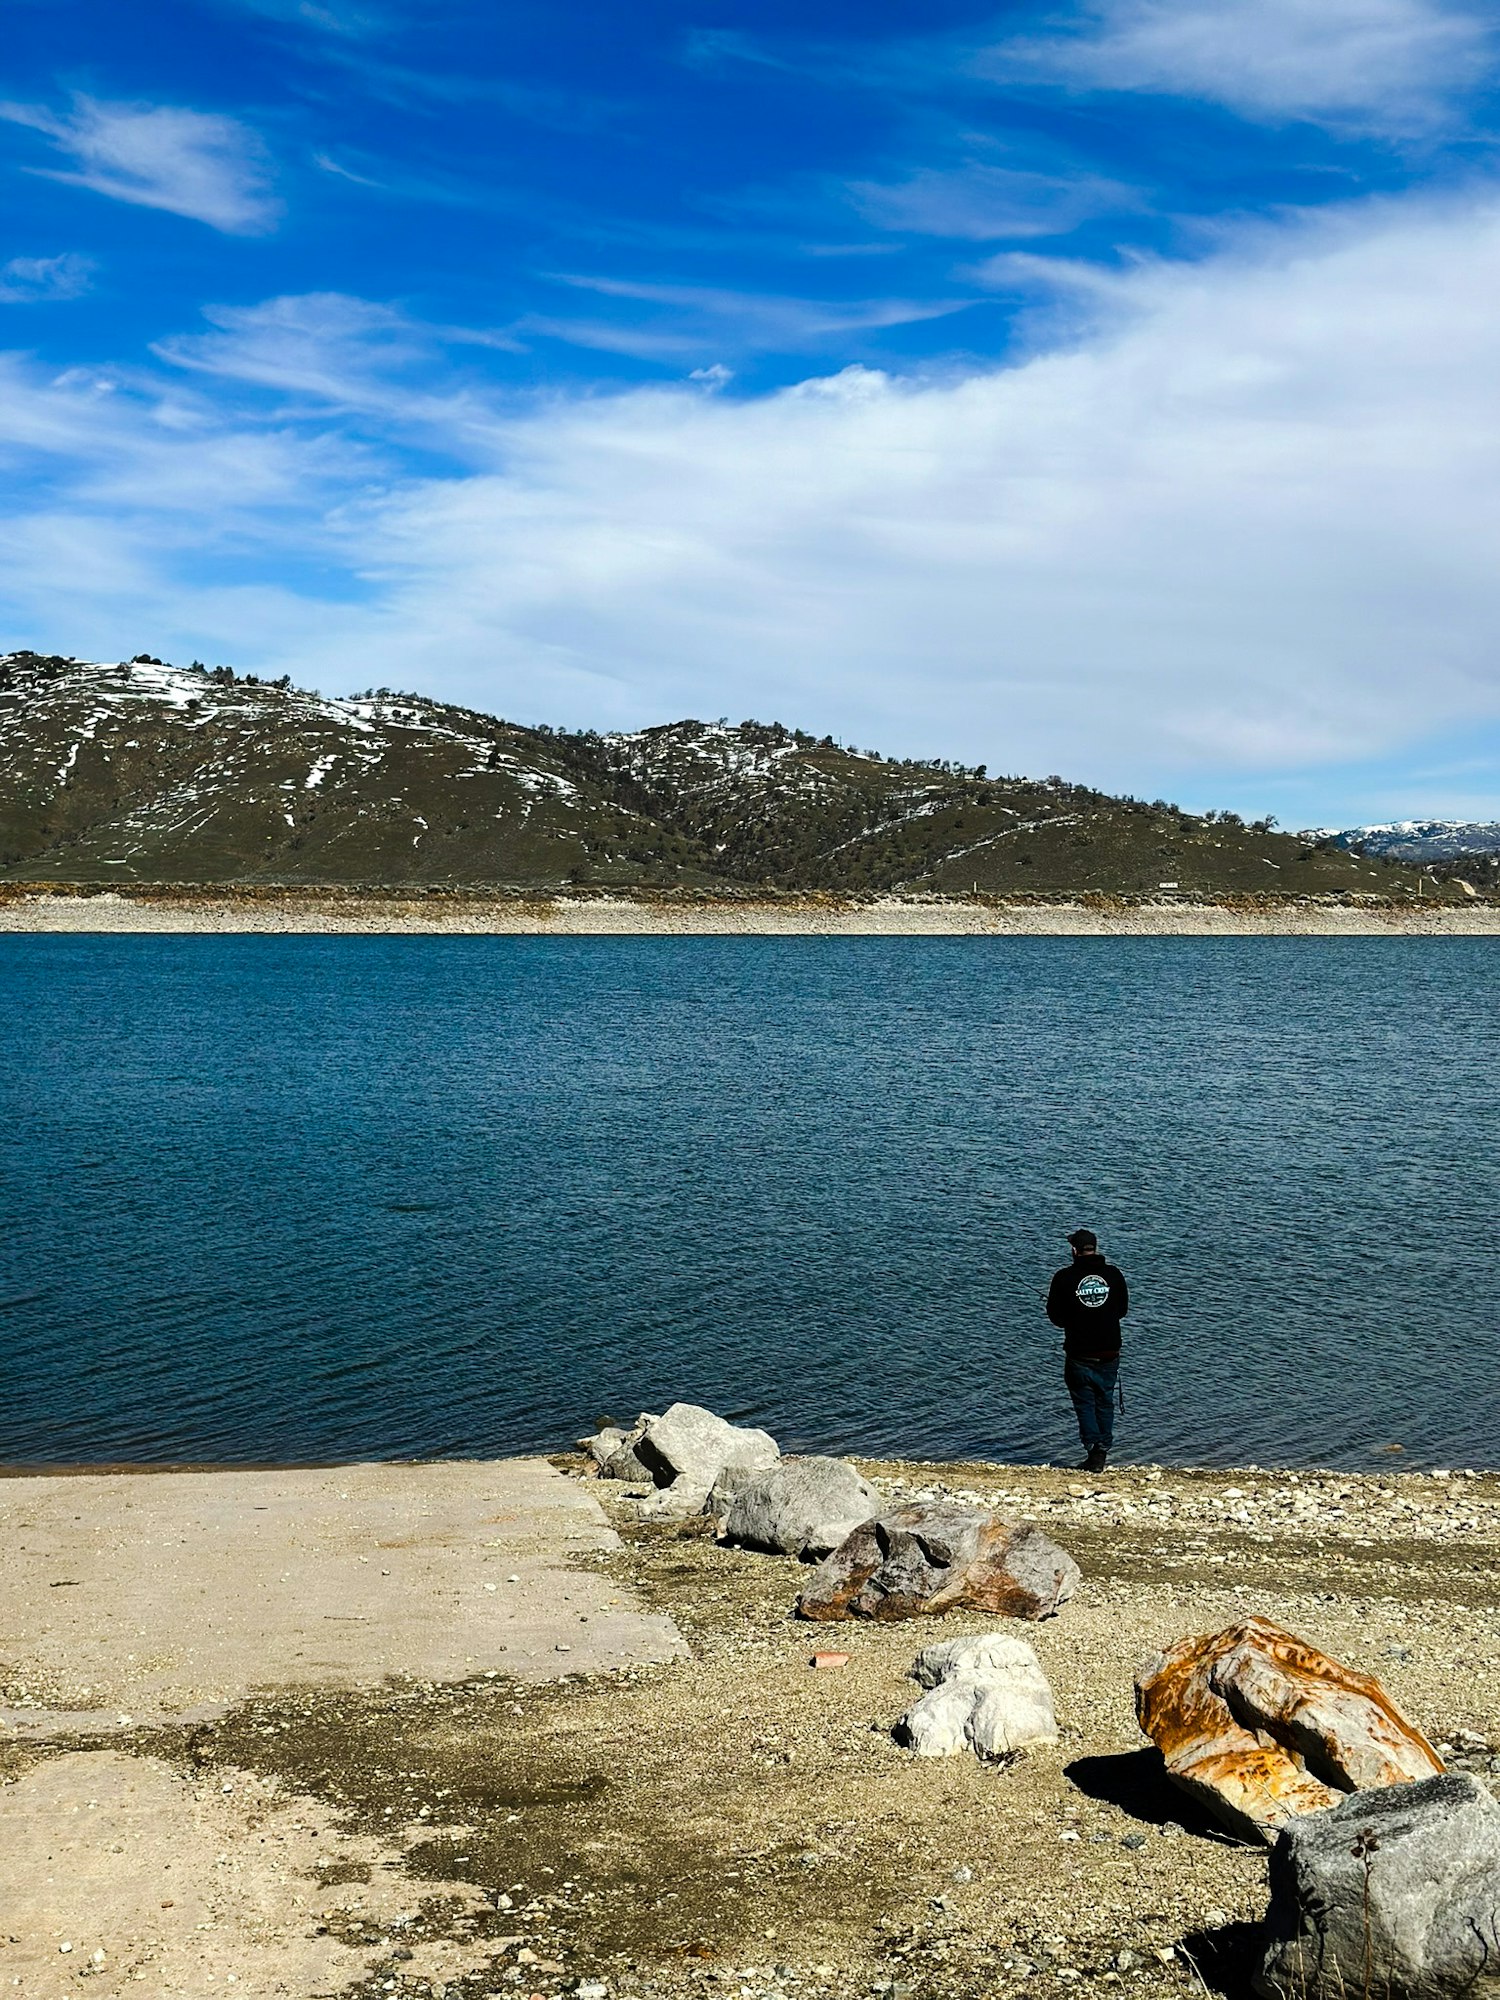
299, 1198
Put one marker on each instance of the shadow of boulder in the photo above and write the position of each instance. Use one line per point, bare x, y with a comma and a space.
1136, 1781
1226, 1958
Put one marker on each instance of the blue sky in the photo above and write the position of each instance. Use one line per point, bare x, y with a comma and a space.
1109, 389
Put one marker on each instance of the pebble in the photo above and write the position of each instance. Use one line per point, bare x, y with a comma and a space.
1359, 1507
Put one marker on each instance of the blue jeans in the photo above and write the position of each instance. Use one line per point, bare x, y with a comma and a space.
1091, 1384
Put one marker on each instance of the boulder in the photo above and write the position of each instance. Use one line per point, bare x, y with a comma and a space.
797, 1507
686, 1449
614, 1452
602, 1447
988, 1695
1260, 1727
1393, 1893
919, 1561
681, 1453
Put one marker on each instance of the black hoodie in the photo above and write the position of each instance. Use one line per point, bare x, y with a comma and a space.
1088, 1299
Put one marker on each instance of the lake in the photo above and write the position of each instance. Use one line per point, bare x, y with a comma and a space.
310, 1198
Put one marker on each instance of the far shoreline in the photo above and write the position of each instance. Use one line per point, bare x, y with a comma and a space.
337, 911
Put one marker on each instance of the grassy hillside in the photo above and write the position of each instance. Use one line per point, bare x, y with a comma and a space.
146, 772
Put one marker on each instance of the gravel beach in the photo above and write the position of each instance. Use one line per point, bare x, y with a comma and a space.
726, 1821
347, 913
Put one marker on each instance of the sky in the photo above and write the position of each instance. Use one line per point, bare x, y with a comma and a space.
1108, 389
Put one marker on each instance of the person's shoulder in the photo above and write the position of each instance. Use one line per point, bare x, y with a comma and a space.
1114, 1271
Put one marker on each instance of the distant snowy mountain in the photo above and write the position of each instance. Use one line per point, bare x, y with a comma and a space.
1417, 841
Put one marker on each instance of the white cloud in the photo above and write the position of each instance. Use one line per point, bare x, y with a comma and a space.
1240, 523
29, 280
194, 163
1390, 62
1243, 523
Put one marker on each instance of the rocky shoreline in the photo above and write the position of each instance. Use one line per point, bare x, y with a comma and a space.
733, 1821
346, 912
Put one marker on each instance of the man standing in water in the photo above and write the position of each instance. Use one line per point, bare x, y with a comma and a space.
1087, 1299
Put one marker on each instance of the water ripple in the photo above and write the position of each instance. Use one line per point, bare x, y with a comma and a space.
311, 1198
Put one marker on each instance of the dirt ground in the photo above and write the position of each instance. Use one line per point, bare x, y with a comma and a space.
734, 1821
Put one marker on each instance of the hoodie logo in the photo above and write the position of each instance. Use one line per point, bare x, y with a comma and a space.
1092, 1291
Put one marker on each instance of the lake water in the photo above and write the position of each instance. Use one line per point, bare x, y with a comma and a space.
292, 1198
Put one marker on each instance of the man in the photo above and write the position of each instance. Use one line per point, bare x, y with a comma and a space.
1088, 1299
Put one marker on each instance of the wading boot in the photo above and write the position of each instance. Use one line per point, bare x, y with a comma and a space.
1097, 1459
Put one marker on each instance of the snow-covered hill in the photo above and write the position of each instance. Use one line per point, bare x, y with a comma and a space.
1419, 840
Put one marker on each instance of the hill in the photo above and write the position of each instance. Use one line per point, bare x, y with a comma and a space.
1462, 850
146, 772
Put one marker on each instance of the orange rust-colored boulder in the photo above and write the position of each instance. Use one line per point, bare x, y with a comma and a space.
1260, 1727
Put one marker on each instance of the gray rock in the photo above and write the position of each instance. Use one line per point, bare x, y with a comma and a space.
685, 1450
1394, 1893
988, 1695
797, 1507
626, 1463
921, 1560
614, 1452
689, 1442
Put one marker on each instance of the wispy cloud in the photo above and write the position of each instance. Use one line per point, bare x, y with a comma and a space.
1383, 62
329, 165
325, 351
1241, 524
718, 48
985, 202
332, 17
195, 163
31, 280
683, 322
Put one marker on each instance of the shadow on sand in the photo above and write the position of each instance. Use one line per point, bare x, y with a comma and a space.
1225, 1959
1136, 1781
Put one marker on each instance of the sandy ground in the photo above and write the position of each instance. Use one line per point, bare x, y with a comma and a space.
621, 916
729, 1821
150, 1597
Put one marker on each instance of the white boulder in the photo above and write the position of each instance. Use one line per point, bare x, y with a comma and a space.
986, 1694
